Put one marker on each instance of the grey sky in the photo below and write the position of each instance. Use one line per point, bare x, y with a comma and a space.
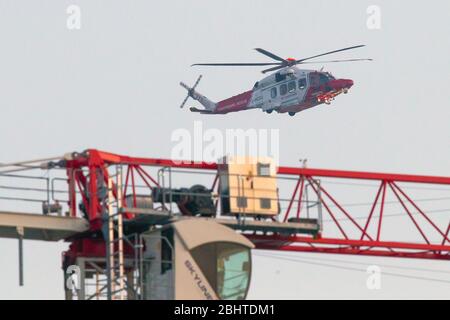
113, 85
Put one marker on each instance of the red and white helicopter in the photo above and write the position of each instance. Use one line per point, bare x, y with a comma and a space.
290, 89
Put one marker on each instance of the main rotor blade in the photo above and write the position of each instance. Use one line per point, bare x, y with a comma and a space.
345, 60
235, 64
273, 69
270, 54
334, 51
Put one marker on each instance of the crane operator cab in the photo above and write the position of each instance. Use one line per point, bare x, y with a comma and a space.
196, 259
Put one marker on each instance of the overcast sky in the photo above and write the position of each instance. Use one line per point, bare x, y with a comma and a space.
113, 85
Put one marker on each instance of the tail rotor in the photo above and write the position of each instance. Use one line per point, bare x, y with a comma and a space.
190, 90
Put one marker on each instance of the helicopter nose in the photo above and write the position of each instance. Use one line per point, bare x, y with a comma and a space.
340, 84
345, 83
349, 83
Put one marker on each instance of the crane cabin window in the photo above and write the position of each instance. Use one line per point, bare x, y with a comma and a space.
302, 83
273, 92
227, 268
291, 86
283, 89
166, 250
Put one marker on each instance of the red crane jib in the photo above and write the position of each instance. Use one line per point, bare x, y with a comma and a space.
356, 241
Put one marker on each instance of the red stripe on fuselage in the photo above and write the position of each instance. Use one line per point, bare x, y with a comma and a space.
236, 103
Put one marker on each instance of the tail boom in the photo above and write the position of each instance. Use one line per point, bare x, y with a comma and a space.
209, 105
236, 103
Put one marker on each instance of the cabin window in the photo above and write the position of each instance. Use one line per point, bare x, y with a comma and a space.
302, 83
166, 250
283, 89
273, 92
291, 86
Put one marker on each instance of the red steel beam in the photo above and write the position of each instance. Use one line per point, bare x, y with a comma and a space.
290, 243
114, 158
300, 196
372, 210
348, 242
292, 200
343, 174
359, 251
363, 175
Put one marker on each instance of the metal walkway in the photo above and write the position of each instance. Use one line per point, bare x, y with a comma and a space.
40, 227
152, 217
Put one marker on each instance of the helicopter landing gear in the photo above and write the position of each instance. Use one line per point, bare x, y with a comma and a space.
291, 113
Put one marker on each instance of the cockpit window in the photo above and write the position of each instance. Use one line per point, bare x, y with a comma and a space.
314, 79
323, 78
279, 77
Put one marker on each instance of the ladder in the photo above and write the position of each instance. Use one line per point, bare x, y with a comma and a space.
115, 244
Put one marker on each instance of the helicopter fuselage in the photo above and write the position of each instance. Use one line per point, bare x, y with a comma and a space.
289, 90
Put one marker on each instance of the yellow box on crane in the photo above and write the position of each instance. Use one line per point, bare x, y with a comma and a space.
248, 186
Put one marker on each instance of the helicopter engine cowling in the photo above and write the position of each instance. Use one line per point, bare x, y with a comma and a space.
288, 72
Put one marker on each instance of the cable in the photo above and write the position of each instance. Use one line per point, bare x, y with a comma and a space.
365, 264
377, 185
17, 170
389, 202
356, 269
21, 199
21, 163
33, 189
23, 176
364, 204
387, 215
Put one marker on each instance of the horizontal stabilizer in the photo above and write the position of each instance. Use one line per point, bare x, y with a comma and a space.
193, 109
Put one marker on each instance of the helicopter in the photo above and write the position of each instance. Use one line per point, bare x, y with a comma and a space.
288, 89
